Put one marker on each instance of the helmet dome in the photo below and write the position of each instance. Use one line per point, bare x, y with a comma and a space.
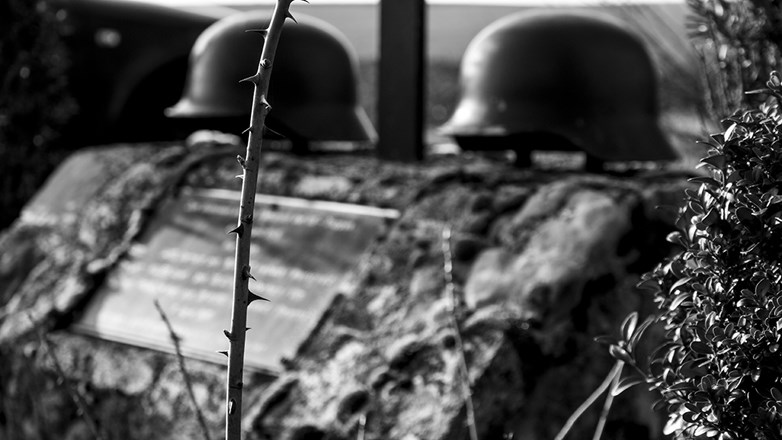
580, 76
313, 88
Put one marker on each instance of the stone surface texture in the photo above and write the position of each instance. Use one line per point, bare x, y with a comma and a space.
543, 262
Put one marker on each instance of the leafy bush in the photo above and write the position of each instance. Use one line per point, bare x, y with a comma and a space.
740, 43
719, 369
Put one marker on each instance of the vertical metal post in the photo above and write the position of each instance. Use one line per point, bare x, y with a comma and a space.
401, 80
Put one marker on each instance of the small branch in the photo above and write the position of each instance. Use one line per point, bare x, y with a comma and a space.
455, 307
601, 422
250, 164
8, 410
188, 382
362, 427
615, 372
78, 399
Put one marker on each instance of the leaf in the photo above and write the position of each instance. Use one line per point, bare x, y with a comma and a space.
628, 325
762, 287
659, 405
703, 180
708, 382
640, 331
606, 340
711, 217
695, 207
733, 177
621, 354
690, 416
700, 347
726, 436
649, 284
625, 384
676, 237
681, 282
681, 386
717, 161
679, 299
731, 131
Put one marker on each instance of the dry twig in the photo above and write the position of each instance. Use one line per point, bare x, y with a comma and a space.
78, 399
188, 382
455, 307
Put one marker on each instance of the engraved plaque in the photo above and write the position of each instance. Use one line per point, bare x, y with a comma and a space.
303, 254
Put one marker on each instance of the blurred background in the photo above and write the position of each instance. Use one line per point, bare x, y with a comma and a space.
77, 73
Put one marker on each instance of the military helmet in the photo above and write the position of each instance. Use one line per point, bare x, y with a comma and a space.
313, 88
580, 77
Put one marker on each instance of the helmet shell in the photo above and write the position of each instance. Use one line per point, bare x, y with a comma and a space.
579, 75
313, 87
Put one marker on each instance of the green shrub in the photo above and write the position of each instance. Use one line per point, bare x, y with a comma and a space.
740, 43
719, 368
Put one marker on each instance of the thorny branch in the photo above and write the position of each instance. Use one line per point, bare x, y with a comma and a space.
242, 296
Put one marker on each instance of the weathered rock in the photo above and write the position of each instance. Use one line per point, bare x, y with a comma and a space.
536, 298
543, 262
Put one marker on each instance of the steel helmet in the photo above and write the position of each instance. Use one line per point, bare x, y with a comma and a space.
313, 88
578, 77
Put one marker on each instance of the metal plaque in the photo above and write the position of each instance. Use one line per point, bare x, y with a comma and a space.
303, 254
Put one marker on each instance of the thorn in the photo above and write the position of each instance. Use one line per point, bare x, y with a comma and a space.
253, 297
241, 161
274, 132
252, 79
224, 352
240, 176
239, 230
246, 273
266, 105
227, 335
289, 15
247, 130
247, 328
248, 218
263, 32
306, 1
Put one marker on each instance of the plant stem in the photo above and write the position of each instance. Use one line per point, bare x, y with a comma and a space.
362, 427
78, 399
251, 163
609, 379
455, 306
188, 383
601, 422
